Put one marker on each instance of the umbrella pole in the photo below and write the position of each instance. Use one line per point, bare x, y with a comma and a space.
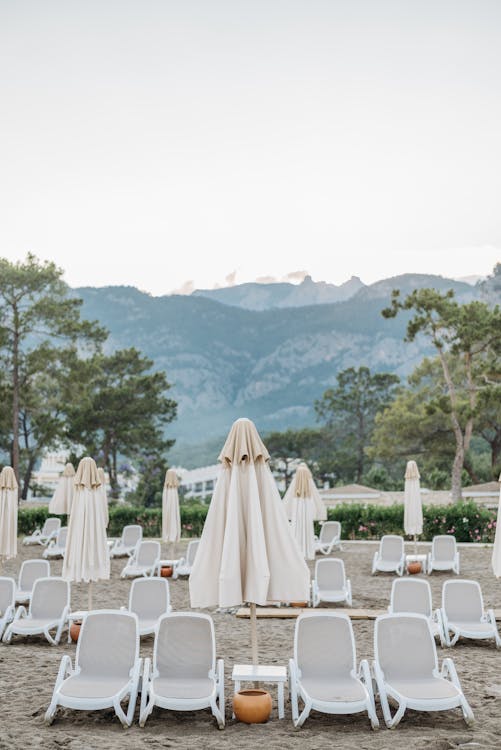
90, 596
253, 624
172, 550
415, 544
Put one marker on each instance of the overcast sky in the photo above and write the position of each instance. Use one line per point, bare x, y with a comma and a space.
160, 142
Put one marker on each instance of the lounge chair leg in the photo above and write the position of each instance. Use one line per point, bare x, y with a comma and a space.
50, 713
304, 714
120, 714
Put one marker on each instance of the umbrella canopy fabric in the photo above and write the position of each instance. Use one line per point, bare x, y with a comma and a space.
496, 550
8, 513
104, 496
171, 519
246, 552
87, 557
304, 505
63, 495
413, 510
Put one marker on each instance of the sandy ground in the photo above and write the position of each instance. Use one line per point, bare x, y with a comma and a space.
29, 666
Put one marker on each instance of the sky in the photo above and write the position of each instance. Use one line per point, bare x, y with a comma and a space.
172, 145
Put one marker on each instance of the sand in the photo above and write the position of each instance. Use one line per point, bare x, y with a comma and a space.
29, 666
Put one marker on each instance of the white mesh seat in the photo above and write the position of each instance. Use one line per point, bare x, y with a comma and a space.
330, 537
127, 543
414, 595
57, 546
185, 564
7, 602
145, 561
330, 583
107, 667
444, 554
31, 571
45, 534
183, 675
390, 558
463, 613
406, 669
149, 599
48, 610
323, 672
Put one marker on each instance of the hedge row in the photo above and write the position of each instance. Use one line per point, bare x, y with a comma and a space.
466, 521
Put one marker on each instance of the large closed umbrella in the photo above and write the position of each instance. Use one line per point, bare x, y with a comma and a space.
86, 558
246, 552
8, 514
171, 519
413, 510
63, 495
104, 496
496, 550
303, 506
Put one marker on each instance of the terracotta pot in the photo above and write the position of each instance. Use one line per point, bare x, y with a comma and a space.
302, 605
75, 631
414, 567
252, 706
166, 571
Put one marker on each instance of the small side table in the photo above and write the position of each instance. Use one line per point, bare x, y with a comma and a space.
262, 673
417, 558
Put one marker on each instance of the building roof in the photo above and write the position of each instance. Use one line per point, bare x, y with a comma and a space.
351, 491
487, 489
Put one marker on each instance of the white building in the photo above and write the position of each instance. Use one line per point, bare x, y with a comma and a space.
199, 483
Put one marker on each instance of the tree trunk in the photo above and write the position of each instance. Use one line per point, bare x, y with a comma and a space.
15, 399
27, 477
457, 466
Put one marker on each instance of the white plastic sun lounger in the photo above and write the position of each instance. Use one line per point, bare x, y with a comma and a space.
406, 669
107, 667
185, 564
323, 672
330, 537
144, 562
149, 599
31, 571
48, 610
414, 595
126, 545
44, 535
330, 583
390, 558
7, 602
444, 554
57, 546
463, 613
184, 675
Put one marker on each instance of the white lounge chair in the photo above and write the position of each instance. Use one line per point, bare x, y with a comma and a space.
144, 562
31, 571
323, 672
414, 595
185, 564
107, 667
48, 610
463, 613
390, 558
444, 554
57, 546
406, 669
330, 583
126, 545
184, 675
149, 599
330, 537
7, 602
45, 534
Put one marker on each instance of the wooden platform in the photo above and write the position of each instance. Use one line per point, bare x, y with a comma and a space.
284, 613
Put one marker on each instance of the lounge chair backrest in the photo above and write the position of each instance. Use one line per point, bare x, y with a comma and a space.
404, 646
462, 600
392, 547
324, 645
329, 531
330, 574
149, 597
131, 535
7, 593
62, 535
444, 547
108, 644
49, 598
191, 552
185, 646
51, 525
148, 553
31, 570
411, 595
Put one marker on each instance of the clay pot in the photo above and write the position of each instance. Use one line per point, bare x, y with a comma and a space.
414, 567
301, 605
75, 631
166, 571
252, 706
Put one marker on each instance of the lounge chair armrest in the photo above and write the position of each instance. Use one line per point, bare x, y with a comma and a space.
220, 671
145, 684
20, 612
65, 669
293, 671
364, 672
491, 617
448, 671
436, 615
